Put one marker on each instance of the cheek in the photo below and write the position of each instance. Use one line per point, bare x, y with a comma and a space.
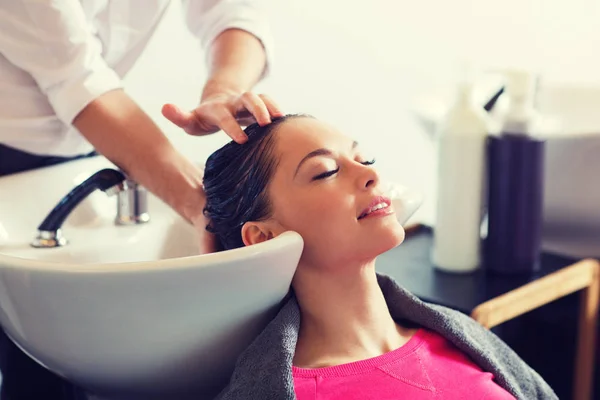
327, 223
315, 215
327, 213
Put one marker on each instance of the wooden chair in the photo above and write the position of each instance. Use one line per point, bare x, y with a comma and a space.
584, 276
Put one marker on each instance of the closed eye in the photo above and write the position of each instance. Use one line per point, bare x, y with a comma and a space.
368, 162
335, 171
326, 174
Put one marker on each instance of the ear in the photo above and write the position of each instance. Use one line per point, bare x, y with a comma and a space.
257, 232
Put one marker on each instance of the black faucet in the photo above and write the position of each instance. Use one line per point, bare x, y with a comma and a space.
49, 233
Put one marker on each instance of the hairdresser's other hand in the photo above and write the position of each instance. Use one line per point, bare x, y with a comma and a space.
226, 110
207, 242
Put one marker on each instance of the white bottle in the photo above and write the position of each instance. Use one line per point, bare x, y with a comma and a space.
461, 149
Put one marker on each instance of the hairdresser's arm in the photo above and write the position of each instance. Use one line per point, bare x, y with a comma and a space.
119, 129
237, 61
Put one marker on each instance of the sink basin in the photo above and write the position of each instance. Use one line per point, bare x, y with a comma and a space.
130, 312
90, 228
133, 312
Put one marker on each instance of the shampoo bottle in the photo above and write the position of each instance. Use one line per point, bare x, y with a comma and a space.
516, 182
461, 144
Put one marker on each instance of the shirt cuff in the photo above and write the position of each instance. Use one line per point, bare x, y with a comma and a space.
70, 97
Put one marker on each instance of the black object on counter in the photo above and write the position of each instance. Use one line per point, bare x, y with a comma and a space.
515, 203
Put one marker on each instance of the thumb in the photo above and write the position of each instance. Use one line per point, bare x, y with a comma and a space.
174, 114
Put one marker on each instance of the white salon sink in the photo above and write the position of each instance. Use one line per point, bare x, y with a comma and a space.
26, 198
130, 312
98, 240
133, 312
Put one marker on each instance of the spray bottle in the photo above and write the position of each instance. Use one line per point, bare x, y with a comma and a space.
515, 182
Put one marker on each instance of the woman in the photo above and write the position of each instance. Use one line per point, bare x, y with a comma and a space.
346, 333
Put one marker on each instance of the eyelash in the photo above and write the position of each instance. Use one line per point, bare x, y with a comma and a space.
335, 171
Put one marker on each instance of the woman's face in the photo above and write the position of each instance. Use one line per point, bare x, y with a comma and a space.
325, 189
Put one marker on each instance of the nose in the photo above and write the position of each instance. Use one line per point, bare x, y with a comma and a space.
368, 177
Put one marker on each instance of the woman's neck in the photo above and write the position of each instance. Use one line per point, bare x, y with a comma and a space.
344, 317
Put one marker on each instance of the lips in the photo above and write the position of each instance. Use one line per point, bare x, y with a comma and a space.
378, 203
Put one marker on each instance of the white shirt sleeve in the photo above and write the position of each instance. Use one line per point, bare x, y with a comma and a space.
53, 41
208, 18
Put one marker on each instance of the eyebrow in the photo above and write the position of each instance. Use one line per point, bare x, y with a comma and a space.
317, 153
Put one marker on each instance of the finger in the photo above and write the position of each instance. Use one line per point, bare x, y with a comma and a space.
225, 121
273, 108
257, 108
174, 114
245, 121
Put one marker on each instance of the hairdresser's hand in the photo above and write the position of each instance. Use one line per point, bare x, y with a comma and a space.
207, 242
226, 110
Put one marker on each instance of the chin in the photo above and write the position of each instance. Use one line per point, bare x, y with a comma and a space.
396, 237
386, 240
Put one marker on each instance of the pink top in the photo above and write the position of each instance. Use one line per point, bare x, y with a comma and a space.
427, 367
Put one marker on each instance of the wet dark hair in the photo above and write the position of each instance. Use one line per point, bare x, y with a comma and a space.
236, 177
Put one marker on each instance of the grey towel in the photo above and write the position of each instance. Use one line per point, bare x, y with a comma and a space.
264, 370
